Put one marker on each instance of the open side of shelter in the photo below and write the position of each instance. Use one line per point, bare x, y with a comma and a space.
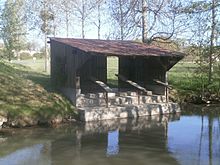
79, 70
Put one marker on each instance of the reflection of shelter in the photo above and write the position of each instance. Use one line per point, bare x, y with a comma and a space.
113, 143
79, 66
120, 138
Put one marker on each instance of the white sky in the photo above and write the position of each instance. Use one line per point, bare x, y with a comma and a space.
90, 31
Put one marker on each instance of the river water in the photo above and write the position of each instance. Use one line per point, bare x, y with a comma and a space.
159, 140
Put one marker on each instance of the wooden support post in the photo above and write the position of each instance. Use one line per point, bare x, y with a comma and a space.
138, 97
106, 99
77, 82
166, 88
106, 88
167, 97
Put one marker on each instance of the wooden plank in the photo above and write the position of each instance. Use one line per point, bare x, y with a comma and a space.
166, 88
134, 84
162, 83
101, 84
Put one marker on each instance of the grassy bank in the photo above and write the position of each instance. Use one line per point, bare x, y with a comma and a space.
191, 85
35, 65
28, 99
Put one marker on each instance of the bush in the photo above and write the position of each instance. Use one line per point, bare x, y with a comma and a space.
1, 54
38, 55
25, 56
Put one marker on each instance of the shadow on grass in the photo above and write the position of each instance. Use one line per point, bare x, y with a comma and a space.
41, 79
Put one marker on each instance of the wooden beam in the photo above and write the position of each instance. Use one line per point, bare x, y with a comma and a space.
134, 84
166, 88
163, 83
105, 87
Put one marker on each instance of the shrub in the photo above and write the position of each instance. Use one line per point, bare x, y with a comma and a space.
38, 55
25, 56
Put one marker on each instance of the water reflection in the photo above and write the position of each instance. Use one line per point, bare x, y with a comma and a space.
113, 143
33, 155
195, 141
163, 140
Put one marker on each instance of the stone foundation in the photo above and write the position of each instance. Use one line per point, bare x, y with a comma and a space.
129, 104
126, 111
2, 120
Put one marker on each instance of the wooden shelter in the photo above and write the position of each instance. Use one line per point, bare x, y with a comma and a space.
77, 63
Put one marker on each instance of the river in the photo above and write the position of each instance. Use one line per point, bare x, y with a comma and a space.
186, 139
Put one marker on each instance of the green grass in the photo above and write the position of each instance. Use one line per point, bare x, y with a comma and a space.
112, 69
35, 65
186, 79
28, 94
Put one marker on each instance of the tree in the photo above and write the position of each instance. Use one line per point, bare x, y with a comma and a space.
84, 9
12, 27
160, 19
66, 13
207, 31
212, 37
47, 16
123, 15
97, 23
144, 20
42, 13
149, 19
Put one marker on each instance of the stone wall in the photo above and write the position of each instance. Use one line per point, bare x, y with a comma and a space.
3, 119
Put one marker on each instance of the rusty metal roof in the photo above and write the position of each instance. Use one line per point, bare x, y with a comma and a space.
116, 47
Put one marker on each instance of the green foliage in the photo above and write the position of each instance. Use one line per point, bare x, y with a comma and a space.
196, 7
1, 54
38, 55
36, 65
112, 69
200, 55
189, 82
12, 29
25, 56
46, 16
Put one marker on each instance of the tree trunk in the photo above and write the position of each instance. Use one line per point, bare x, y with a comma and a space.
144, 21
121, 21
10, 54
54, 28
212, 37
99, 21
45, 38
45, 53
83, 19
67, 24
210, 129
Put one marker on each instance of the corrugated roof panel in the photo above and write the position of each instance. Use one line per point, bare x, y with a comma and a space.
116, 47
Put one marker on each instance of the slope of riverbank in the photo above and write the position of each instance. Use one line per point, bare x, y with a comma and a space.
27, 99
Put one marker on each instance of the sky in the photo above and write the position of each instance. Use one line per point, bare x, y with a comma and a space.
90, 31
75, 31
